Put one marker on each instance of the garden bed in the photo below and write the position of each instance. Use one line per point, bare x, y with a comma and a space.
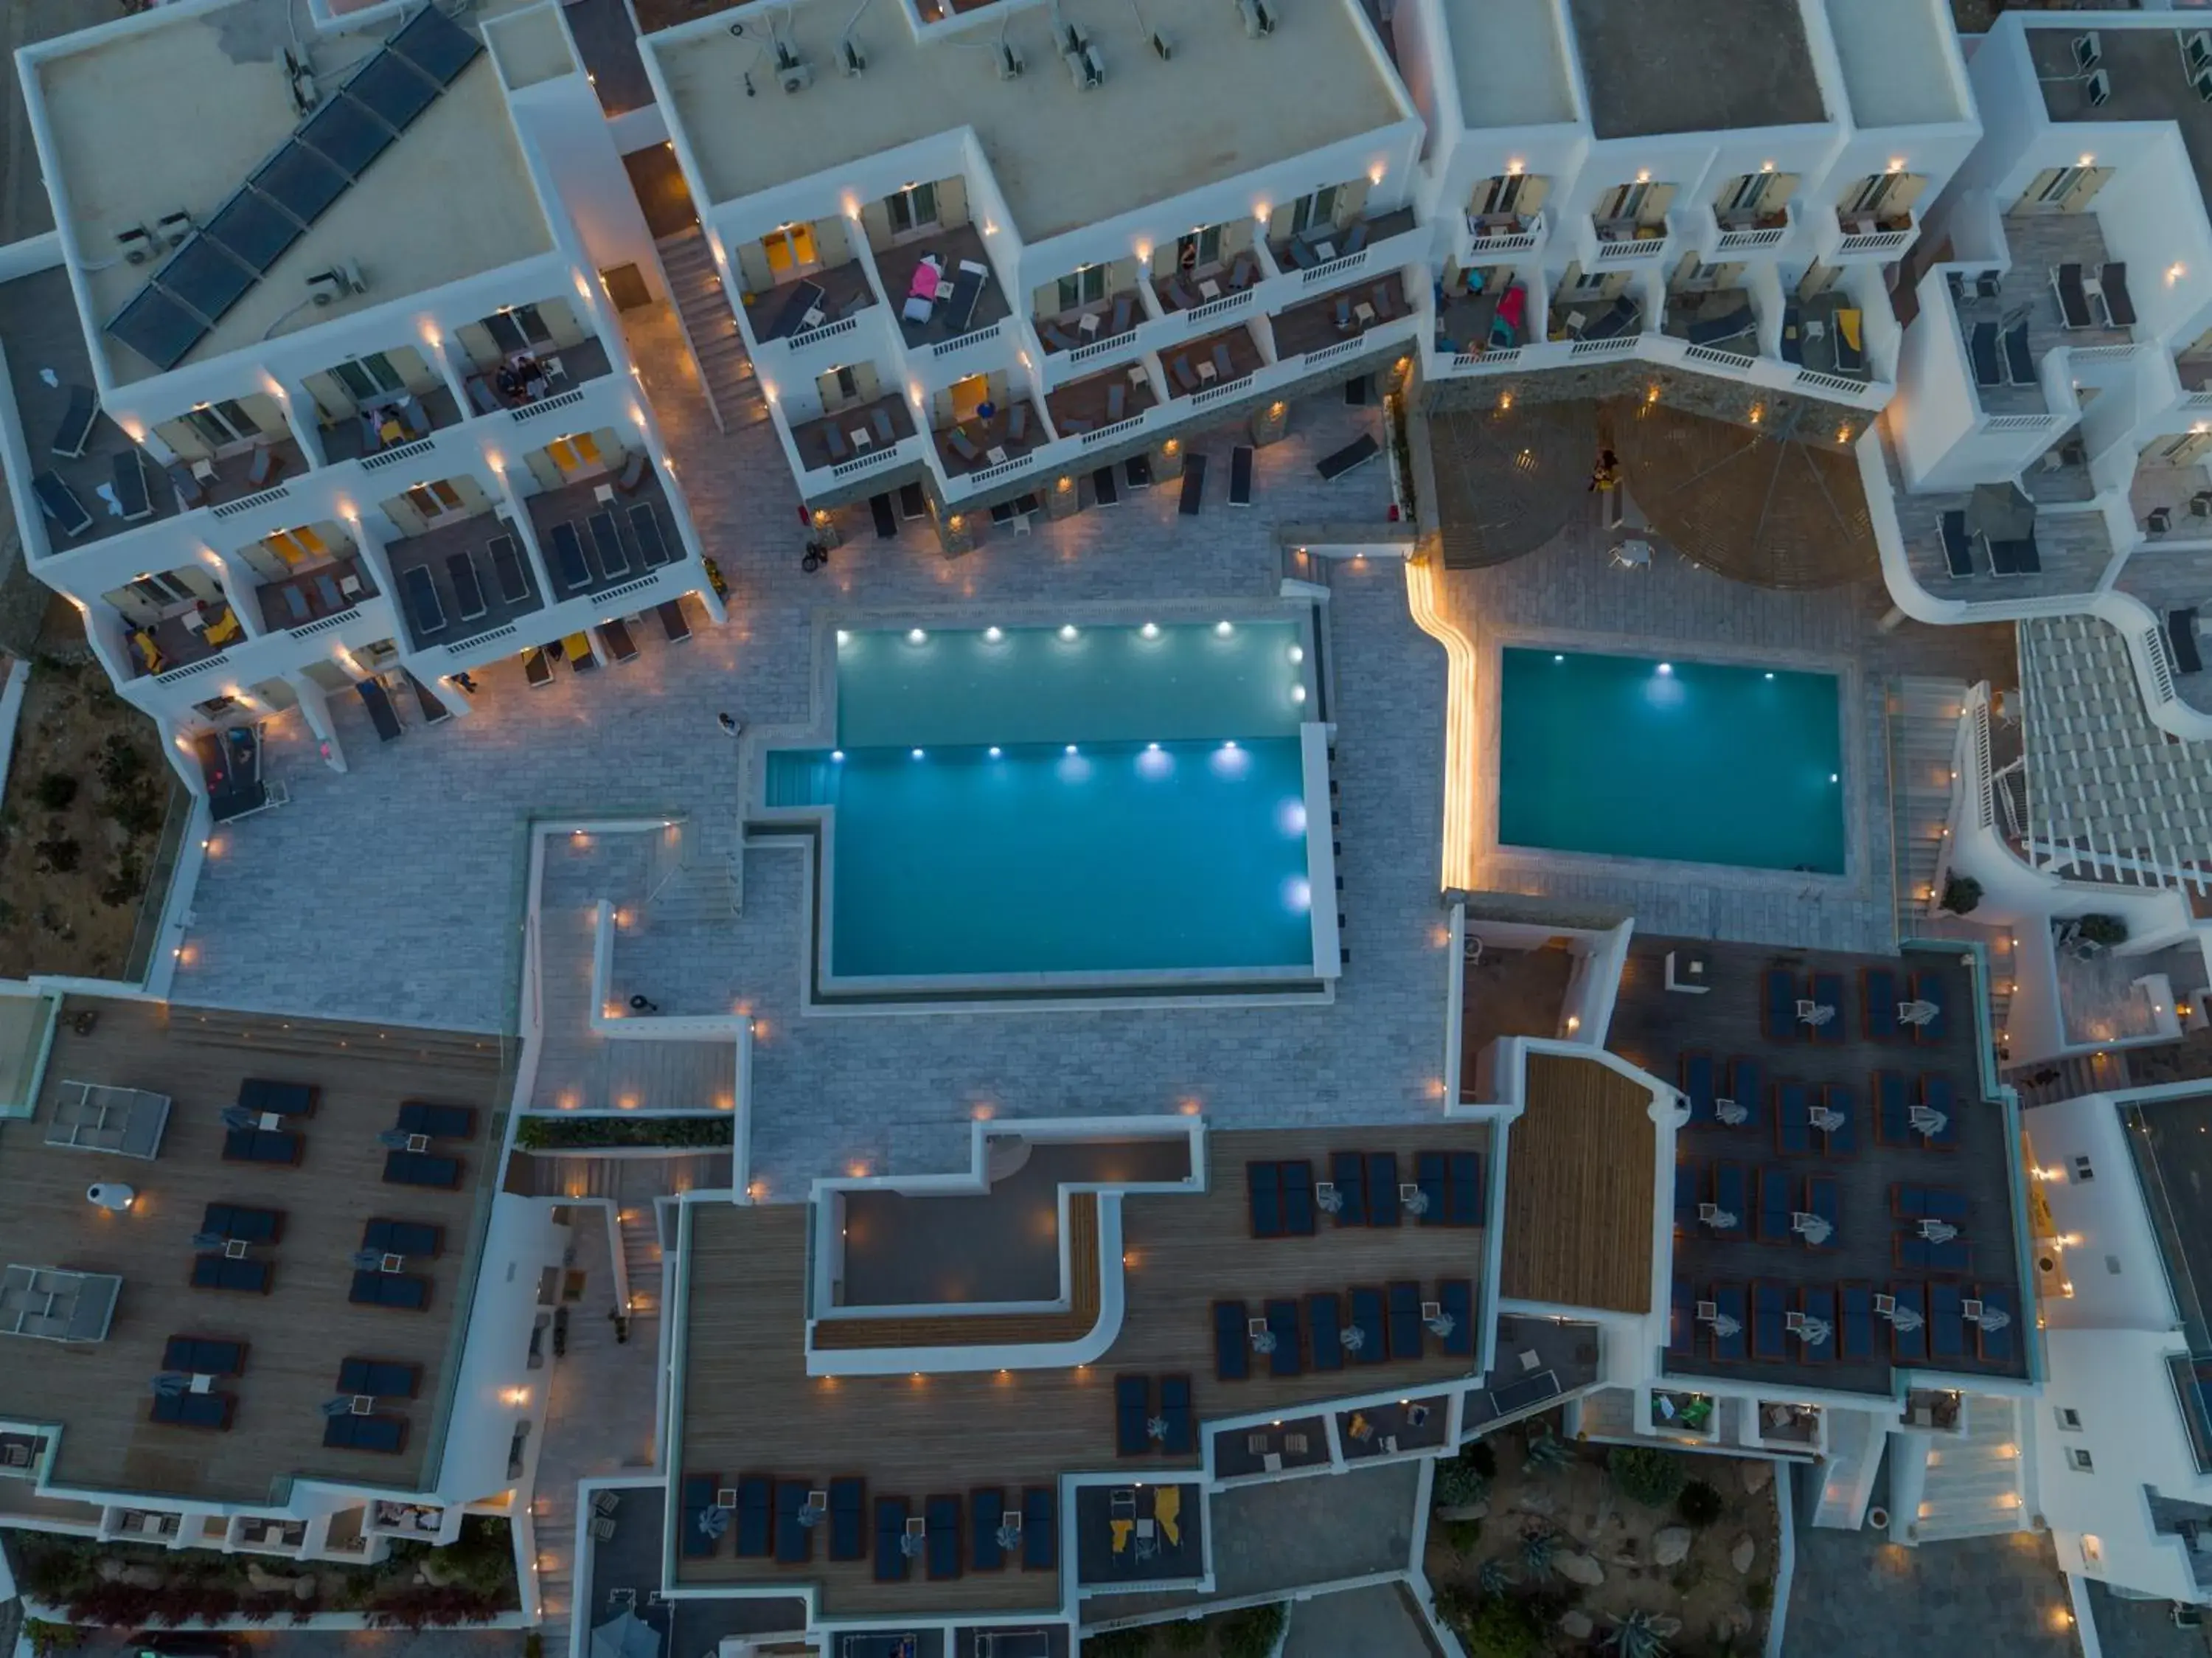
1539, 1545
1248, 1632
569, 1133
87, 793
133, 1585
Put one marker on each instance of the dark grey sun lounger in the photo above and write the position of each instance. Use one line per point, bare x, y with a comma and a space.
382, 714
2181, 632
606, 546
1105, 488
1362, 449
673, 622
468, 593
1958, 545
76, 429
645, 526
1240, 475
1194, 485
507, 566
967, 288
615, 637
2073, 298
568, 557
131, 491
2019, 361
2119, 308
1712, 331
1982, 347
423, 609
59, 503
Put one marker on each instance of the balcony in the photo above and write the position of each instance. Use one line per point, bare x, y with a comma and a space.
1211, 290
522, 394
1494, 235
812, 306
1734, 235
854, 433
186, 636
306, 597
223, 483
440, 550
1876, 237
978, 449
1467, 321
1719, 325
1090, 331
390, 423
1594, 325
1616, 242
1329, 253
937, 329
1333, 324
1206, 365
1823, 338
1101, 404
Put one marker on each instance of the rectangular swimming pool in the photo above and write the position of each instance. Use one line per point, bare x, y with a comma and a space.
1696, 762
1062, 806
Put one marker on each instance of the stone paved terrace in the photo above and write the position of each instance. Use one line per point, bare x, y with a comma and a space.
440, 815
1853, 1595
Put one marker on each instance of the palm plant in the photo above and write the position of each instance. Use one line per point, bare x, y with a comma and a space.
1538, 1544
1640, 1635
1493, 1578
1547, 1454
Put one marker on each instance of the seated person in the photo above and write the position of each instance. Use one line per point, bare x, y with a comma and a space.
506, 382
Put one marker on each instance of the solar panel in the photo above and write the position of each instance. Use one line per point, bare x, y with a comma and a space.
347, 134
436, 45
204, 279
248, 226
157, 328
393, 88
300, 181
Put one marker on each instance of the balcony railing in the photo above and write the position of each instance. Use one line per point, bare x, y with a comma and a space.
1750, 236
1486, 238
1863, 236
1618, 241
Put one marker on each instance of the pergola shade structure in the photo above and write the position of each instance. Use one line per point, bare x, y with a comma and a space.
1508, 479
1777, 507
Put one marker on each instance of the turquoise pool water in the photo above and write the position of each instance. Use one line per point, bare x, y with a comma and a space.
1115, 802
1692, 761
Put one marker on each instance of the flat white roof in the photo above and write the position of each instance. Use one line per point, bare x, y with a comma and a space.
1062, 157
1896, 71
172, 112
1512, 62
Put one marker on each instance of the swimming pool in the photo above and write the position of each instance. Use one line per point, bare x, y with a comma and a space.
1697, 762
1064, 807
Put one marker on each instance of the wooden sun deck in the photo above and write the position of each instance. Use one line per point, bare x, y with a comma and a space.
750, 1406
97, 1393
1579, 1186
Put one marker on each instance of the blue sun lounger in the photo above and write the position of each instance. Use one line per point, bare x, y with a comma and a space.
1775, 1205
1689, 1193
1817, 1301
1297, 1197
1181, 1436
891, 1563
1828, 992
1429, 1175
1133, 1408
1730, 1302
942, 1537
1696, 1070
1463, 1187
1382, 1188
1825, 1200
794, 1542
1232, 1360
1855, 1323
1455, 1299
1405, 1320
1731, 1196
1910, 1346
1946, 1323
1878, 993
1793, 1121
1681, 1320
1995, 1346
1778, 1005
986, 1509
1040, 1529
1287, 1358
1936, 1094
1929, 987
697, 1496
848, 1504
1893, 1123
1347, 1172
1746, 1086
1367, 1319
1325, 1328
1842, 1140
1770, 1313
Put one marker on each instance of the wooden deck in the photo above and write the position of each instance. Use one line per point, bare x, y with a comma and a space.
750, 1406
97, 1393
1578, 1187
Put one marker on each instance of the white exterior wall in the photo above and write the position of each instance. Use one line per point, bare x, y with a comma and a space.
497, 1391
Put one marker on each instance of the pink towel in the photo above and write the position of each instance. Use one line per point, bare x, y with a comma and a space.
925, 283
1511, 305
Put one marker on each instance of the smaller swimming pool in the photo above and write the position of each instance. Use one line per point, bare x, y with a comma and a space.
1694, 762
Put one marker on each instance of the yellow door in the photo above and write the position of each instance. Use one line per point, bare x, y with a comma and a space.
574, 454
789, 249
969, 395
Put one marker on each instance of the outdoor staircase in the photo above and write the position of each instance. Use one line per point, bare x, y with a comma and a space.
640, 1244
1847, 1475
2078, 1074
699, 883
1970, 1484
734, 392
554, 1521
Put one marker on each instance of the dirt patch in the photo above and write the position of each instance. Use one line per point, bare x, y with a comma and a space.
1514, 1597
85, 795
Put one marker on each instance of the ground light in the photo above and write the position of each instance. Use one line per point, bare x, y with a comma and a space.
917, 754
915, 636
1151, 630
995, 751
1666, 667
1067, 630
994, 634
837, 754
843, 637
1223, 629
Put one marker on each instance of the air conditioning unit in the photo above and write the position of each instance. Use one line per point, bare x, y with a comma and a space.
299, 81
1010, 63
797, 78
335, 283
2202, 82
849, 58
2098, 88
171, 229
1161, 46
1258, 19
2197, 52
137, 244
2088, 53
1082, 60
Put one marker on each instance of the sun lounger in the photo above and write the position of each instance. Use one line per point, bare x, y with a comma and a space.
1619, 318
59, 503
379, 1378
468, 593
1842, 1139
131, 494
506, 570
1325, 1329
1776, 1203
1929, 987
78, 421
794, 1542
1405, 1307
421, 1168
1382, 1175
1878, 993
1297, 1197
1689, 1193
1982, 349
891, 1563
958, 441
1731, 1197
1696, 1073
653, 547
752, 1523
2073, 297
442, 1122
1682, 1320
261, 1145
1893, 1124
1828, 992
1040, 1529
1455, 1299
388, 1237
1231, 1350
1223, 369
1347, 1172
1263, 1185
695, 1497
1851, 347
1909, 1346
1429, 1175
1958, 546
240, 1221
613, 559
1367, 1319
1793, 336
791, 315
568, 566
1825, 1200
1287, 1357
1463, 1188
1125, 311
1817, 1303
1240, 475
1909, 1252
424, 612
1946, 1323
1793, 1121
2119, 308
2019, 557
1361, 450
2019, 361
1995, 1346
1732, 324
1746, 1086
295, 605
1181, 369
1855, 1322
1193, 483
673, 625
967, 288
614, 634
1936, 1094
1731, 1303
1909, 1201
1056, 337
1133, 1408
408, 1291
285, 1099
1778, 1005
216, 1271
986, 1510
373, 1432
1770, 1311
1181, 1438
942, 1537
1344, 314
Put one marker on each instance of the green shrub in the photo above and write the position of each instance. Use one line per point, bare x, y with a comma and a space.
1548, 1453
1538, 1544
55, 790
53, 1637
1960, 894
1698, 1503
120, 764
1481, 1456
1646, 1474
1759, 1595
1250, 1632
1118, 1643
1461, 1535
1637, 1635
136, 810
1184, 1635
60, 856
2108, 930
1501, 1628
1457, 1485
584, 1133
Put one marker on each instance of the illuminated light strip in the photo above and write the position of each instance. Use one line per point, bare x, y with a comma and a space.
1459, 772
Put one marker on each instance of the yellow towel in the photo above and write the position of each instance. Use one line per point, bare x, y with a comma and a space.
224, 630
1122, 1529
1847, 324
1167, 1506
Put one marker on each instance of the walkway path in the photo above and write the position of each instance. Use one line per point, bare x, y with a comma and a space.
1855, 1598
